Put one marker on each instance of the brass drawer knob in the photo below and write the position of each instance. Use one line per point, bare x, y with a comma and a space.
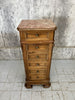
37, 56
36, 35
37, 71
37, 47
37, 77
37, 64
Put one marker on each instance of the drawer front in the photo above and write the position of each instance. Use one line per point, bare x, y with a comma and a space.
40, 35
37, 47
38, 57
37, 35
37, 63
37, 71
38, 66
37, 77
35, 52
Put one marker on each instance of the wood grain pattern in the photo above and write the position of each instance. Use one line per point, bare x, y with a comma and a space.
38, 57
37, 47
37, 43
36, 35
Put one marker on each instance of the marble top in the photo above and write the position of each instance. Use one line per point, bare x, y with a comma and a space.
36, 24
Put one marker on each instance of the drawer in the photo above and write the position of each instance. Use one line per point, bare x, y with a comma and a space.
40, 35
38, 57
37, 66
37, 35
37, 63
37, 71
35, 52
37, 77
37, 47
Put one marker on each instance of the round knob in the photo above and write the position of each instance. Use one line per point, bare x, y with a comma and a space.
37, 64
37, 47
37, 35
37, 56
37, 77
37, 71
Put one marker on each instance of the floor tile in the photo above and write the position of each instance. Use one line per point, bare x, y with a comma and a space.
5, 95
55, 86
36, 95
11, 86
57, 95
47, 95
15, 96
68, 95
26, 95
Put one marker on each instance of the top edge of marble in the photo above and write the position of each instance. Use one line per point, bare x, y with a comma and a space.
43, 24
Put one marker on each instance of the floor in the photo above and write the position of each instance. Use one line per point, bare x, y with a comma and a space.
62, 82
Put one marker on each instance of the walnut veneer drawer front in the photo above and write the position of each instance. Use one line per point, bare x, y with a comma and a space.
37, 71
37, 47
37, 35
37, 38
37, 65
37, 77
38, 57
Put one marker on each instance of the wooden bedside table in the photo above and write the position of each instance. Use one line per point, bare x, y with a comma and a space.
37, 38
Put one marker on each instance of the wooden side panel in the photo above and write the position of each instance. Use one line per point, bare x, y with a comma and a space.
49, 59
51, 36
24, 52
25, 60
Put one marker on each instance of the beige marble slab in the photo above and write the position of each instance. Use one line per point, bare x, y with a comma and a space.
36, 24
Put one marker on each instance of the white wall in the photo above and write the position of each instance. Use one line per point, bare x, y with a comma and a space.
62, 12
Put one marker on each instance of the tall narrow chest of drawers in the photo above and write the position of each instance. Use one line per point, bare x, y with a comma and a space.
37, 38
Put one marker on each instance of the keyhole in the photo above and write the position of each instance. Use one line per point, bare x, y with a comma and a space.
37, 70
37, 35
37, 64
37, 56
37, 47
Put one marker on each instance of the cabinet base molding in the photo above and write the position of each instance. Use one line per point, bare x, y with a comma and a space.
45, 84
